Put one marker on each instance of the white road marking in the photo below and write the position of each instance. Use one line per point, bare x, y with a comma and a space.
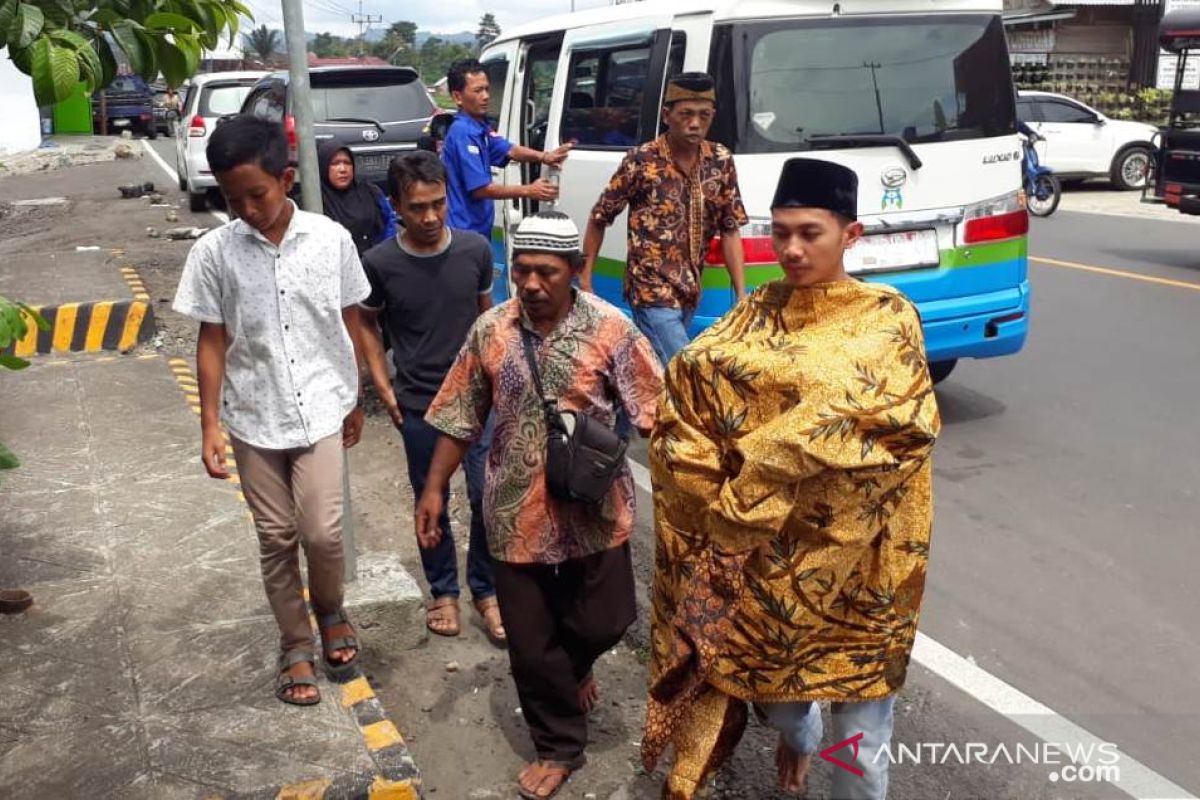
167, 168
1137, 780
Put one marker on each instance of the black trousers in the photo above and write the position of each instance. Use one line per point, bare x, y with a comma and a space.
560, 619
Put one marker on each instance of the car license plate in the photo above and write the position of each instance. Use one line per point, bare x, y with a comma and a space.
889, 252
374, 162
120, 123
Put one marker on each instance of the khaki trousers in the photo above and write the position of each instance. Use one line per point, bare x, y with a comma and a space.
296, 499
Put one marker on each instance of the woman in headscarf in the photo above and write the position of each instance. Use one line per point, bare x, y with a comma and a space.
362, 208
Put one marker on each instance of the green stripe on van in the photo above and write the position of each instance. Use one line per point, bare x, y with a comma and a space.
954, 258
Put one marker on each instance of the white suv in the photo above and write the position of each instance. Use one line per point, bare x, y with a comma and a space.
209, 97
1082, 143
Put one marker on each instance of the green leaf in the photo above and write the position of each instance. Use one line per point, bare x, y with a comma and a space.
36, 316
92, 71
107, 60
12, 362
149, 50
131, 45
55, 71
8, 10
26, 25
170, 22
8, 459
106, 17
22, 58
173, 62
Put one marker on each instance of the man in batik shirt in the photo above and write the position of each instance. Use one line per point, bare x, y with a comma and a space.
681, 191
791, 467
563, 573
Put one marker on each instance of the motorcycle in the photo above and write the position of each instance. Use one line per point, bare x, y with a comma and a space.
1042, 189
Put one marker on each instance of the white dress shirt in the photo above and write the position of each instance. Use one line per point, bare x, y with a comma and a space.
290, 371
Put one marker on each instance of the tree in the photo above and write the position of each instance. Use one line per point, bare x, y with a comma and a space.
263, 42
59, 43
326, 45
15, 319
437, 55
489, 31
399, 41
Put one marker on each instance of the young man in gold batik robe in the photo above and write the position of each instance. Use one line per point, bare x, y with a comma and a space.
791, 468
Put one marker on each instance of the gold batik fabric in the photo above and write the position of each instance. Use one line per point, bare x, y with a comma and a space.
792, 500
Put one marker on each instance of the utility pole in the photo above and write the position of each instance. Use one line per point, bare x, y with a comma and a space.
363, 21
310, 198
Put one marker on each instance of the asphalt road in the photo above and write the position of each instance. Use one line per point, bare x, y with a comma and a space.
1068, 490
1066, 539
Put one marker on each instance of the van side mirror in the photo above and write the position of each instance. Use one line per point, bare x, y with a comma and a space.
439, 125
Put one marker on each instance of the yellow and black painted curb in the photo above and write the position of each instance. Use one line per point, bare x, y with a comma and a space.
396, 776
92, 327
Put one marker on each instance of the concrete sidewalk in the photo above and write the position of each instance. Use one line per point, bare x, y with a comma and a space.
146, 666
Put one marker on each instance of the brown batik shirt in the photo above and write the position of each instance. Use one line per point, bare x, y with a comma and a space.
672, 217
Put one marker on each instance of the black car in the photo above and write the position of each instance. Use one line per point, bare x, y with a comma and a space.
377, 112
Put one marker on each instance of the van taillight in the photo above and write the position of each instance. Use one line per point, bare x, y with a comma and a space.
1000, 218
196, 127
756, 246
289, 127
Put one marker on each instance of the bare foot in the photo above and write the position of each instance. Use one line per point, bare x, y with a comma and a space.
589, 694
302, 669
542, 779
793, 768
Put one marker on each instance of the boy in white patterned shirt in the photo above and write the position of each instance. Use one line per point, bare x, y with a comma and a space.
276, 293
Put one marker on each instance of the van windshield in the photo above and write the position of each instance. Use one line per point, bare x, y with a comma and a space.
925, 79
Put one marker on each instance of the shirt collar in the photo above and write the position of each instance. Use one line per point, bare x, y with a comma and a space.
664, 148
520, 319
300, 223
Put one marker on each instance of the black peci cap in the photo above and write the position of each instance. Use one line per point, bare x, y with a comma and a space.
813, 183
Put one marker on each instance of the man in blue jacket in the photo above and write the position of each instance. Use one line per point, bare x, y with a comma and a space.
472, 148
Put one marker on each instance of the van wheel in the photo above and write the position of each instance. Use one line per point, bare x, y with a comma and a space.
198, 201
940, 370
1130, 168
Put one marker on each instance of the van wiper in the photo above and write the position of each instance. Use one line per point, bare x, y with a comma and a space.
360, 120
866, 140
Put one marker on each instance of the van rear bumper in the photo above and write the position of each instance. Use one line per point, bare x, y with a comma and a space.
979, 326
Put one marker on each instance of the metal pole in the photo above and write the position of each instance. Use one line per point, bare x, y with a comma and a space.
302, 110
310, 199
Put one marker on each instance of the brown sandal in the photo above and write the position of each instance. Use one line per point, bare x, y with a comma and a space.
493, 625
443, 610
557, 773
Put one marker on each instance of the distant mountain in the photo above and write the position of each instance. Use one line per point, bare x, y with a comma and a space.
378, 32
465, 37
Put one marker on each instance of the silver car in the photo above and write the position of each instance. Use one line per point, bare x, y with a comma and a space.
209, 97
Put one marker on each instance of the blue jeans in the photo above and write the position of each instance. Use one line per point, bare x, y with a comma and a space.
441, 562
800, 726
665, 327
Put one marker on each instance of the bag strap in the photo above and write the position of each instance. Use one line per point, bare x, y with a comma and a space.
531, 359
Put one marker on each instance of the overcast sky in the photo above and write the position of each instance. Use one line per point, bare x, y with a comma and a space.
451, 16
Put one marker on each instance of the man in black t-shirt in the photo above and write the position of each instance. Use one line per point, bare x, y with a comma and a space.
428, 285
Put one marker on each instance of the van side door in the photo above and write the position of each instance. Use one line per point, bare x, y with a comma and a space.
499, 62
607, 100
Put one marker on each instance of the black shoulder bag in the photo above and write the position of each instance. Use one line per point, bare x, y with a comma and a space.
582, 453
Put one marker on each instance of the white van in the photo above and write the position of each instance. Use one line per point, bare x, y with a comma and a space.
916, 97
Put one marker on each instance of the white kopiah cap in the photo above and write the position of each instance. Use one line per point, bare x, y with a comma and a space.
548, 232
